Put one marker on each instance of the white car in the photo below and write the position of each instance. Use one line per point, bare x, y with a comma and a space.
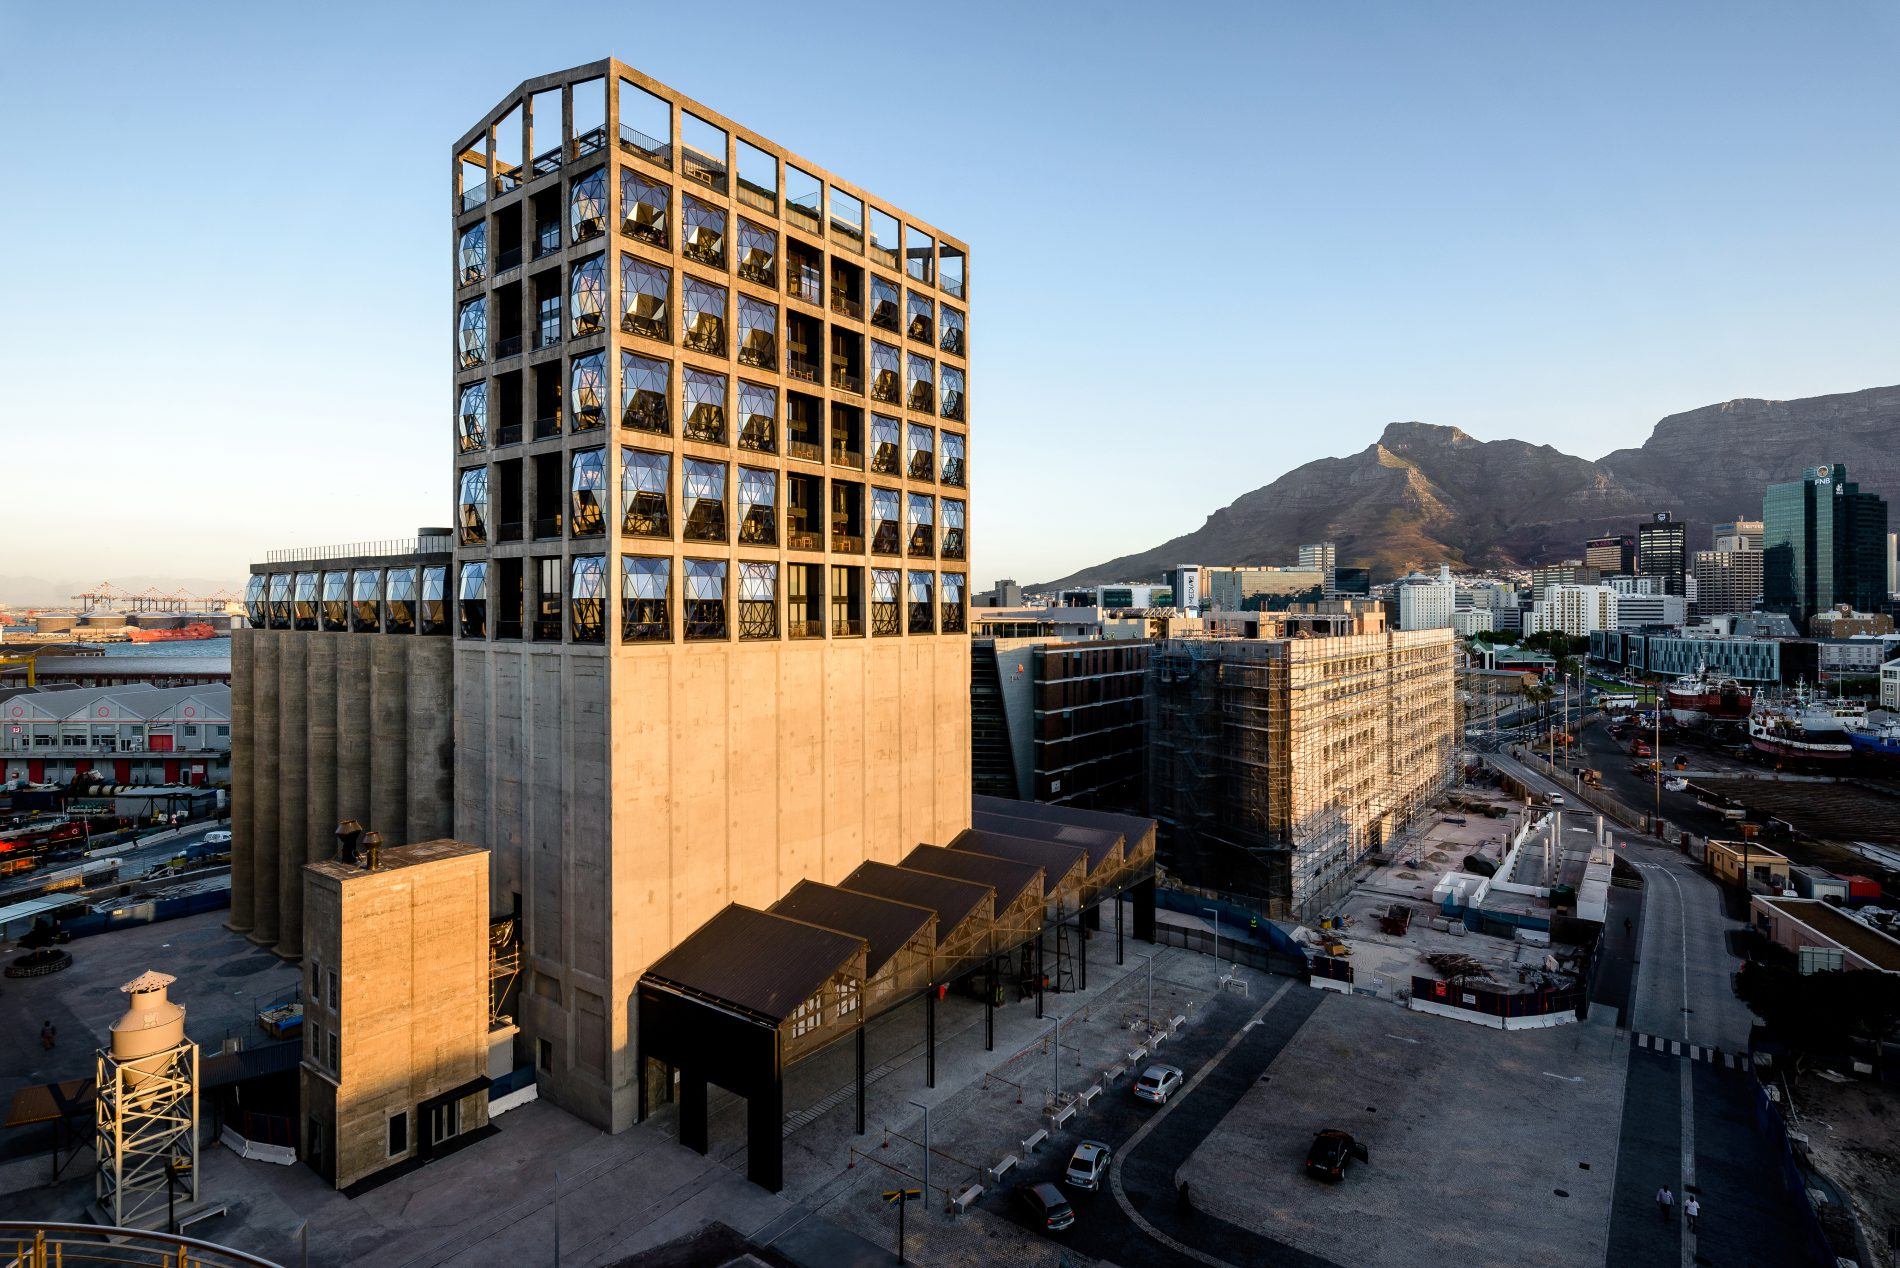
219, 837
1088, 1165
1557, 799
1157, 1083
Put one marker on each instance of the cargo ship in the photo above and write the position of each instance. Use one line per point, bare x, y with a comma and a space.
1878, 743
1700, 699
183, 633
1804, 730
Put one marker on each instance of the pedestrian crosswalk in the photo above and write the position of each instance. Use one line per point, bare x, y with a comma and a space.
1694, 1052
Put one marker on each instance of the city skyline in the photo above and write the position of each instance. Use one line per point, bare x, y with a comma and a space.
1512, 252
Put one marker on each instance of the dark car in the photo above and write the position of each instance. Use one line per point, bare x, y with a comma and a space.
1045, 1206
1330, 1153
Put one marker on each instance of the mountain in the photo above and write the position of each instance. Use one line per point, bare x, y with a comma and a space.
1424, 494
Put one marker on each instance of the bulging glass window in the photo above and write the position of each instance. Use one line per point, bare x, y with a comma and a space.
922, 392
472, 600
587, 491
885, 599
400, 617
883, 303
920, 452
472, 502
705, 231
645, 298
922, 517
280, 600
472, 252
705, 598
758, 600
644, 617
643, 206
705, 407
758, 333
758, 417
255, 609
920, 316
952, 529
645, 393
644, 481
952, 405
336, 600
886, 532
886, 365
434, 603
886, 439
587, 297
587, 599
704, 496
587, 392
587, 205
471, 418
953, 473
952, 340
923, 614
471, 333
303, 602
758, 507
705, 316
366, 600
952, 603
758, 253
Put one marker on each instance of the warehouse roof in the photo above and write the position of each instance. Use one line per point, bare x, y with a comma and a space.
766, 964
884, 925
1007, 877
1099, 843
126, 702
953, 900
1133, 829
1054, 858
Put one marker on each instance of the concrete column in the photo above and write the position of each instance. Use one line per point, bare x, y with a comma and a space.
264, 725
389, 737
320, 724
352, 727
243, 764
431, 739
293, 782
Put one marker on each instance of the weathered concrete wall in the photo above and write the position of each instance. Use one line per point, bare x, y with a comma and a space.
431, 739
353, 726
293, 782
388, 739
243, 792
321, 685
264, 819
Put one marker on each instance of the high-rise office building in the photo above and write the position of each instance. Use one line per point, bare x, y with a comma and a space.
1726, 581
1737, 535
1319, 557
1611, 555
1824, 543
710, 452
1662, 550
1426, 602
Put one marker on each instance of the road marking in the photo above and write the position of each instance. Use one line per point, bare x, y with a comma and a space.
1400, 1038
1115, 1167
1564, 1078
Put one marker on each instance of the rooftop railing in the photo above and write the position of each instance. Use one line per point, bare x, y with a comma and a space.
423, 544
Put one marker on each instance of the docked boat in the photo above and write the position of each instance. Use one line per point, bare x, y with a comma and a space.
1803, 729
1880, 742
1702, 698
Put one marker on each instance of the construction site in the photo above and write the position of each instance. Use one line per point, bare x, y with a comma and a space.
1277, 766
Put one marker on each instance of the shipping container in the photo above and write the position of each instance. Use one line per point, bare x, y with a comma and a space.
1862, 889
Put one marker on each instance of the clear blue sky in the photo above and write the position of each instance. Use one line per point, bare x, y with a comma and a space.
1209, 241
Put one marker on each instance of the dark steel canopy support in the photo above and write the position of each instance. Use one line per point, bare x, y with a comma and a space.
930, 1036
860, 1080
1118, 929
989, 1006
693, 1109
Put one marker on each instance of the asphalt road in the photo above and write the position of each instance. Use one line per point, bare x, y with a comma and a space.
1137, 1218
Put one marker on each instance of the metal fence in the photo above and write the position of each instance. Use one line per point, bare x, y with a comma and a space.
429, 544
1478, 999
1232, 950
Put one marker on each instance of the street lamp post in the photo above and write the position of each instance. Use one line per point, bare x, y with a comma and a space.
926, 1109
1215, 913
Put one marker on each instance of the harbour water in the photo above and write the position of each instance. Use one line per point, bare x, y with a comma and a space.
172, 647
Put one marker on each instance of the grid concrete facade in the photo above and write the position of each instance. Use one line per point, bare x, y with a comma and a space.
710, 447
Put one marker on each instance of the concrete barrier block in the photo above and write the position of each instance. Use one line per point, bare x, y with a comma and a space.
1090, 1094
1175, 1022
1061, 1116
1000, 1170
1034, 1139
966, 1199
1113, 1072
1136, 1054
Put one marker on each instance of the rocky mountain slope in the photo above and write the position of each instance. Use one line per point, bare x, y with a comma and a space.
1425, 493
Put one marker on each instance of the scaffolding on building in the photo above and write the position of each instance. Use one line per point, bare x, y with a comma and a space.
1308, 753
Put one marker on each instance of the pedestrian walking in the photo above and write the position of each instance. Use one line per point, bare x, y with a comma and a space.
1690, 1209
48, 1035
1665, 1203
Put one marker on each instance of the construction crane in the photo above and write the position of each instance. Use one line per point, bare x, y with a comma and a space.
107, 597
13, 659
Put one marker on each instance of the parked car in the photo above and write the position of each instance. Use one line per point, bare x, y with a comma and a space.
1045, 1206
1330, 1153
218, 837
1557, 799
201, 854
1157, 1083
1088, 1165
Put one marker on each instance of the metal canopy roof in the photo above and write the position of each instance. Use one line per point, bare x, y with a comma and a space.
953, 900
1133, 829
884, 925
765, 964
1056, 860
1007, 877
1099, 843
